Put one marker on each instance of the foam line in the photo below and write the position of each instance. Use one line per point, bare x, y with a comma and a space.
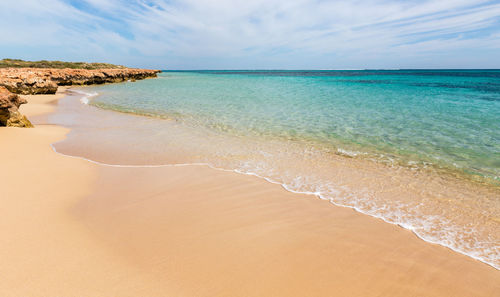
85, 99
289, 189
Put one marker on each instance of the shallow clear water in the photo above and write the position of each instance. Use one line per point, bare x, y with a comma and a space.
449, 119
420, 149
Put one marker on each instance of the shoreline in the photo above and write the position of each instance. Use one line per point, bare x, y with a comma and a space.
152, 236
285, 187
392, 184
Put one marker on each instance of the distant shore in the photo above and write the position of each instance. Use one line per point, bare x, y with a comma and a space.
71, 227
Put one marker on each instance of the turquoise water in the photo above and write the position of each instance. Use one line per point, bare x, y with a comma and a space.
420, 149
450, 119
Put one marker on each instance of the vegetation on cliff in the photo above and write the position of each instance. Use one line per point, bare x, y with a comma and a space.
17, 63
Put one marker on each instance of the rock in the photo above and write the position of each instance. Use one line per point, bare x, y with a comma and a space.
19, 120
9, 110
25, 81
45, 80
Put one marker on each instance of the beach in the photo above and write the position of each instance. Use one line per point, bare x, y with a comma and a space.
72, 227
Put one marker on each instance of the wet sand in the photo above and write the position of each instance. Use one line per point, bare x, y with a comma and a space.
73, 228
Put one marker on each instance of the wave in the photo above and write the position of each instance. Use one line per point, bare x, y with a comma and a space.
396, 216
85, 99
428, 219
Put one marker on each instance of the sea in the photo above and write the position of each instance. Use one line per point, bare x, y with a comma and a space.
415, 148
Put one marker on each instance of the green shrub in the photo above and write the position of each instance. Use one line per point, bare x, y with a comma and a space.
17, 63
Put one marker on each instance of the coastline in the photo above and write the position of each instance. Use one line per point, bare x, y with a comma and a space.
86, 229
437, 206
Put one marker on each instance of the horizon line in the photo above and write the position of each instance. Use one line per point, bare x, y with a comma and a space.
352, 69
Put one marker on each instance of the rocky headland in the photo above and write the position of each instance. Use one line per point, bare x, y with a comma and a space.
45, 80
28, 81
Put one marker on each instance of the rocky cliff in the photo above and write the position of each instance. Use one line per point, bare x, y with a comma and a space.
45, 80
26, 81
9, 113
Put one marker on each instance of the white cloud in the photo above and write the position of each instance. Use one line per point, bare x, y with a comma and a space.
174, 32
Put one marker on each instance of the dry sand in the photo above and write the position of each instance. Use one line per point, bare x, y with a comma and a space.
72, 228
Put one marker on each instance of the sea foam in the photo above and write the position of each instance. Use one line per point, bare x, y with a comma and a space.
297, 132
85, 98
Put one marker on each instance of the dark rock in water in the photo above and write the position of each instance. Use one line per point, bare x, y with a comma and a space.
9, 110
45, 80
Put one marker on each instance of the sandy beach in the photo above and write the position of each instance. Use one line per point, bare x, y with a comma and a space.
73, 228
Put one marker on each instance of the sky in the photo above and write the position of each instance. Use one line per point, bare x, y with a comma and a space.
258, 34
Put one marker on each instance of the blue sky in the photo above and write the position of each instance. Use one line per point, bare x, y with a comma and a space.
259, 34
